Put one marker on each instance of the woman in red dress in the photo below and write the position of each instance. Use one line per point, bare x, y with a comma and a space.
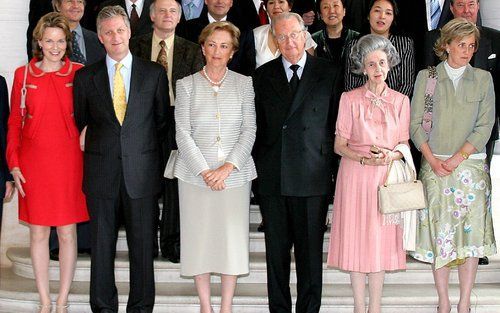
44, 156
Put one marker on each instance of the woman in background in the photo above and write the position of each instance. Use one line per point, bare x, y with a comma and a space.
382, 19
44, 156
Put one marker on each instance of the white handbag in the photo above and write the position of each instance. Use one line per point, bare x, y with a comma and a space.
401, 191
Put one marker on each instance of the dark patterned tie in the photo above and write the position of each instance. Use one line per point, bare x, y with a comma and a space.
294, 82
162, 56
77, 55
134, 18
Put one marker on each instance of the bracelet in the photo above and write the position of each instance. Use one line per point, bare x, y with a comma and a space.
362, 161
464, 154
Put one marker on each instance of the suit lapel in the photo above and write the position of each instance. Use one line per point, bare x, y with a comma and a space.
482, 54
146, 47
279, 81
101, 84
136, 80
177, 66
307, 82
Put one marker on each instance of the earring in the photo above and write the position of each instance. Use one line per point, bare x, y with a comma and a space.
364, 73
448, 51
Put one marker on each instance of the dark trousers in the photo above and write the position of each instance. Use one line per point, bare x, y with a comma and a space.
138, 217
170, 234
297, 222
82, 235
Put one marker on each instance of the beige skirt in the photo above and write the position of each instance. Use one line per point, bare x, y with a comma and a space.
214, 230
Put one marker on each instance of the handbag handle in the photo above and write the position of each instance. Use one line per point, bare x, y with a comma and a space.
405, 151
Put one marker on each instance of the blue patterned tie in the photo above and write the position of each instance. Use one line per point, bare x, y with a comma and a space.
435, 10
77, 55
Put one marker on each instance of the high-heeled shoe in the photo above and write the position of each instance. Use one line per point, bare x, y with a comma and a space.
45, 308
437, 310
62, 308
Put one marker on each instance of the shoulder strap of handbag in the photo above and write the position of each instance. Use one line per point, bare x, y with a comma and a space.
405, 151
23, 93
430, 88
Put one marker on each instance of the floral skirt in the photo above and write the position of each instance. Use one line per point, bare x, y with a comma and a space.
457, 222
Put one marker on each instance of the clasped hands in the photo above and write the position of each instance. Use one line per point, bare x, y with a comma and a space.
215, 178
445, 167
383, 157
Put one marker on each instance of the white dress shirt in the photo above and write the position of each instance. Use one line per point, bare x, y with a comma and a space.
301, 63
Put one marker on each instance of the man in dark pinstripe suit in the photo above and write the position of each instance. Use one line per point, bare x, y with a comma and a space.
123, 101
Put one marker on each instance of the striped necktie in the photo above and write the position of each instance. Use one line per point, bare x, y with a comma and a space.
119, 100
435, 10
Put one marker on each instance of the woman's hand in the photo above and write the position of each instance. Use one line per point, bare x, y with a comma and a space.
219, 174
308, 18
375, 160
9, 190
453, 162
218, 186
82, 138
440, 168
18, 179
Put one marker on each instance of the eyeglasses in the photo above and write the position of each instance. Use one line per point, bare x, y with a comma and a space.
292, 36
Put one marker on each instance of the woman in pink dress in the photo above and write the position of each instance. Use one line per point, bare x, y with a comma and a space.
361, 242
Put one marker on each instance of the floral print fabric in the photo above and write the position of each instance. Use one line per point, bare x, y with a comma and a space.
457, 223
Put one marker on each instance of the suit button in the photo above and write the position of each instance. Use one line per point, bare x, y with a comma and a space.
285, 126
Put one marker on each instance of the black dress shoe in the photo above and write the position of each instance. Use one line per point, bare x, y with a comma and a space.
172, 258
54, 255
261, 227
484, 261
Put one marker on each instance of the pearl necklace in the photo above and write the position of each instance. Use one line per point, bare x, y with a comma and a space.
214, 82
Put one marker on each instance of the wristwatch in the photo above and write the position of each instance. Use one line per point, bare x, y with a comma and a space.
464, 155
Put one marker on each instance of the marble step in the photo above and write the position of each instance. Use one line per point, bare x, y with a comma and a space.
257, 243
255, 216
18, 294
167, 272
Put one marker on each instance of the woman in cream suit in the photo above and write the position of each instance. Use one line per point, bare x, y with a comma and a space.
215, 132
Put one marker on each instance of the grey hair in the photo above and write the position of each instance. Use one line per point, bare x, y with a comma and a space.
287, 16
368, 44
153, 3
110, 12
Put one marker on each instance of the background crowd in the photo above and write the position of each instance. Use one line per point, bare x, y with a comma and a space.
307, 99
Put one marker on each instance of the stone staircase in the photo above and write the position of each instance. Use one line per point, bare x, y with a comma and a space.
405, 290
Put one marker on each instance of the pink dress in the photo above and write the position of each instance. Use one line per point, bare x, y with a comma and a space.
359, 240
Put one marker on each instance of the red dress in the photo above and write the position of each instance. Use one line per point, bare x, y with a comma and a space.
47, 148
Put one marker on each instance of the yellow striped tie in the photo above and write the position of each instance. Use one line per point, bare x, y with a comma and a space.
119, 101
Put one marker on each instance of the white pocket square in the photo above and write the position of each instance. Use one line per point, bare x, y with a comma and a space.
492, 56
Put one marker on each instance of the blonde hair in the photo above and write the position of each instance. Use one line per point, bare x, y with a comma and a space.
455, 29
222, 26
51, 20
